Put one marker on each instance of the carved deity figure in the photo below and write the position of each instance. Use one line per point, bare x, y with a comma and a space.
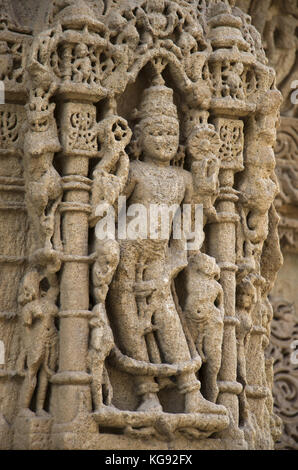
258, 184
146, 265
82, 64
123, 29
245, 301
39, 337
111, 173
232, 81
43, 182
101, 337
101, 343
6, 60
154, 23
204, 312
203, 145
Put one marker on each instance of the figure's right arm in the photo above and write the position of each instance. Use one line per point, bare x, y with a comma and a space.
128, 189
130, 183
27, 316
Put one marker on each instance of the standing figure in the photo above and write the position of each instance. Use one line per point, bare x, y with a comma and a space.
204, 312
152, 180
101, 337
43, 183
82, 64
111, 173
6, 60
245, 301
39, 337
203, 145
232, 81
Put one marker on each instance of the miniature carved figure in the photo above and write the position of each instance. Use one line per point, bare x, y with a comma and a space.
154, 23
111, 173
204, 312
43, 183
82, 64
39, 339
101, 338
101, 343
203, 146
6, 60
232, 81
258, 184
245, 302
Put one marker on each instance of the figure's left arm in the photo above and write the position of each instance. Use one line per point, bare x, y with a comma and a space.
189, 188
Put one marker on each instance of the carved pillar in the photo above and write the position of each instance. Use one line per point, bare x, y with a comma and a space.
224, 229
78, 119
14, 41
230, 98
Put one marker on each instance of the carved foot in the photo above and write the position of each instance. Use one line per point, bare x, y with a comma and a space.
26, 412
150, 402
42, 414
196, 403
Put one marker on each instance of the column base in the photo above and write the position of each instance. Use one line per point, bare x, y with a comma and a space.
32, 432
5, 434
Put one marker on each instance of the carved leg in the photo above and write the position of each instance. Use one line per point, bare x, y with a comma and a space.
129, 332
213, 335
107, 388
50, 221
29, 384
41, 391
172, 342
97, 382
241, 375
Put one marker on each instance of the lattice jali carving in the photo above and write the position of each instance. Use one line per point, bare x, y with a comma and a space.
82, 135
232, 138
14, 45
10, 119
287, 162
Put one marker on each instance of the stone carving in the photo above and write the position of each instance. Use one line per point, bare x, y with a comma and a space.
39, 338
276, 21
286, 154
204, 311
245, 302
146, 269
203, 145
102, 340
43, 183
111, 173
10, 127
151, 334
284, 329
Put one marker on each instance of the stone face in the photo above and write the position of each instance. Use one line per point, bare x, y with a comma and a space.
122, 327
276, 20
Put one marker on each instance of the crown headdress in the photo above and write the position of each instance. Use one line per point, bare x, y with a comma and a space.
157, 101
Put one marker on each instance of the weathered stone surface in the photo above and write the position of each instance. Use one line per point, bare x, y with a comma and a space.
277, 21
154, 338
